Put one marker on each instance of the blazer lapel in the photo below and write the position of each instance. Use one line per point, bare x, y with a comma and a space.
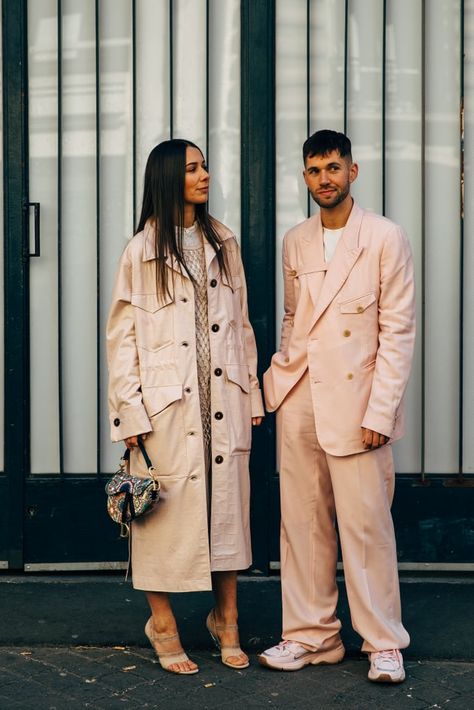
312, 261
345, 256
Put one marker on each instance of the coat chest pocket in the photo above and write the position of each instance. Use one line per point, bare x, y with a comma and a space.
358, 305
153, 320
231, 291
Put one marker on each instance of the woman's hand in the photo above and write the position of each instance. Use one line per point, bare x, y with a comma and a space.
132, 441
256, 421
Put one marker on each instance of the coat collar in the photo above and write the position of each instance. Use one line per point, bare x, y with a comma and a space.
346, 254
149, 246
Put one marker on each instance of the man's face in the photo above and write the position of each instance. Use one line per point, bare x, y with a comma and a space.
329, 177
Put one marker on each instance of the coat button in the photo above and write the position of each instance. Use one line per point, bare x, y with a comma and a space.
116, 421
213, 283
218, 372
184, 344
187, 390
350, 376
193, 477
292, 273
347, 333
184, 299
215, 328
219, 459
218, 415
360, 309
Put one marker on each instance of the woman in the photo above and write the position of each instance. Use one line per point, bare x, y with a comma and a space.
182, 362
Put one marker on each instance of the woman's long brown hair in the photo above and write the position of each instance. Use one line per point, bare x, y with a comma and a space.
163, 204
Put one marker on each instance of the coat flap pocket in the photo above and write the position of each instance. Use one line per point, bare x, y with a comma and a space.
156, 399
150, 302
357, 305
233, 281
240, 375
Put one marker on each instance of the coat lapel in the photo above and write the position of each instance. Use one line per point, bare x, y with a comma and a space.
345, 256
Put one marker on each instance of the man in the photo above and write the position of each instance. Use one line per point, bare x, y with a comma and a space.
337, 385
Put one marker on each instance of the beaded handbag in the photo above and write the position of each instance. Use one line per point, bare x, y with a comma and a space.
128, 496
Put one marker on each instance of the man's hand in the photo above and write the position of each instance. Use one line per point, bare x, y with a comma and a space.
256, 421
372, 439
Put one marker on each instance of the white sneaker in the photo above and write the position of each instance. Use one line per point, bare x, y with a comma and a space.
291, 656
386, 666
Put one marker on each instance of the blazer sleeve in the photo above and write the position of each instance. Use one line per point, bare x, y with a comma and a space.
127, 413
396, 333
289, 299
249, 342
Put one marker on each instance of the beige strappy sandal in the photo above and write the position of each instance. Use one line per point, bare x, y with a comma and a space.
226, 651
167, 658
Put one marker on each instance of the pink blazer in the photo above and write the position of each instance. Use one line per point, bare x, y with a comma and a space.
352, 324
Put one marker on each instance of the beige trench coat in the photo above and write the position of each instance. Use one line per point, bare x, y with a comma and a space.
153, 389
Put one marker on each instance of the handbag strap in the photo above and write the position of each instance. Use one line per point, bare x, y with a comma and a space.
141, 446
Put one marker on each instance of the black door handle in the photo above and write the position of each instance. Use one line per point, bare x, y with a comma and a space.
36, 206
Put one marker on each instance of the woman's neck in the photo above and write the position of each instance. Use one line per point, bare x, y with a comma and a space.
189, 215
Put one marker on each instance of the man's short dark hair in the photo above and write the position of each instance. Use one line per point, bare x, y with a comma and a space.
325, 142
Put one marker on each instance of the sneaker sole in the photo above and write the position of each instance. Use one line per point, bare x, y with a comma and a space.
314, 659
386, 678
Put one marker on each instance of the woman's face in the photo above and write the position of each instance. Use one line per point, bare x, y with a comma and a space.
196, 180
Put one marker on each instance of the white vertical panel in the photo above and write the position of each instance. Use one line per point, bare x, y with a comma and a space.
468, 453
365, 97
79, 257
327, 65
43, 169
442, 259
152, 81
224, 111
116, 171
189, 71
291, 126
403, 182
2, 320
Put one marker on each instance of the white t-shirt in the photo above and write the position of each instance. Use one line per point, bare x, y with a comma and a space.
331, 238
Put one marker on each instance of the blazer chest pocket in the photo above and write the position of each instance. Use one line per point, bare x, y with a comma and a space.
357, 305
153, 320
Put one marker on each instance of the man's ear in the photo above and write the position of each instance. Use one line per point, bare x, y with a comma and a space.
353, 172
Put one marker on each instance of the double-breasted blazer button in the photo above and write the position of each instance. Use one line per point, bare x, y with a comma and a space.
360, 309
218, 372
350, 376
347, 333
292, 272
213, 283
218, 415
219, 459
215, 328
116, 421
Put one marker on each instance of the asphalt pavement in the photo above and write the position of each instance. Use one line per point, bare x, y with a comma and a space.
78, 642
